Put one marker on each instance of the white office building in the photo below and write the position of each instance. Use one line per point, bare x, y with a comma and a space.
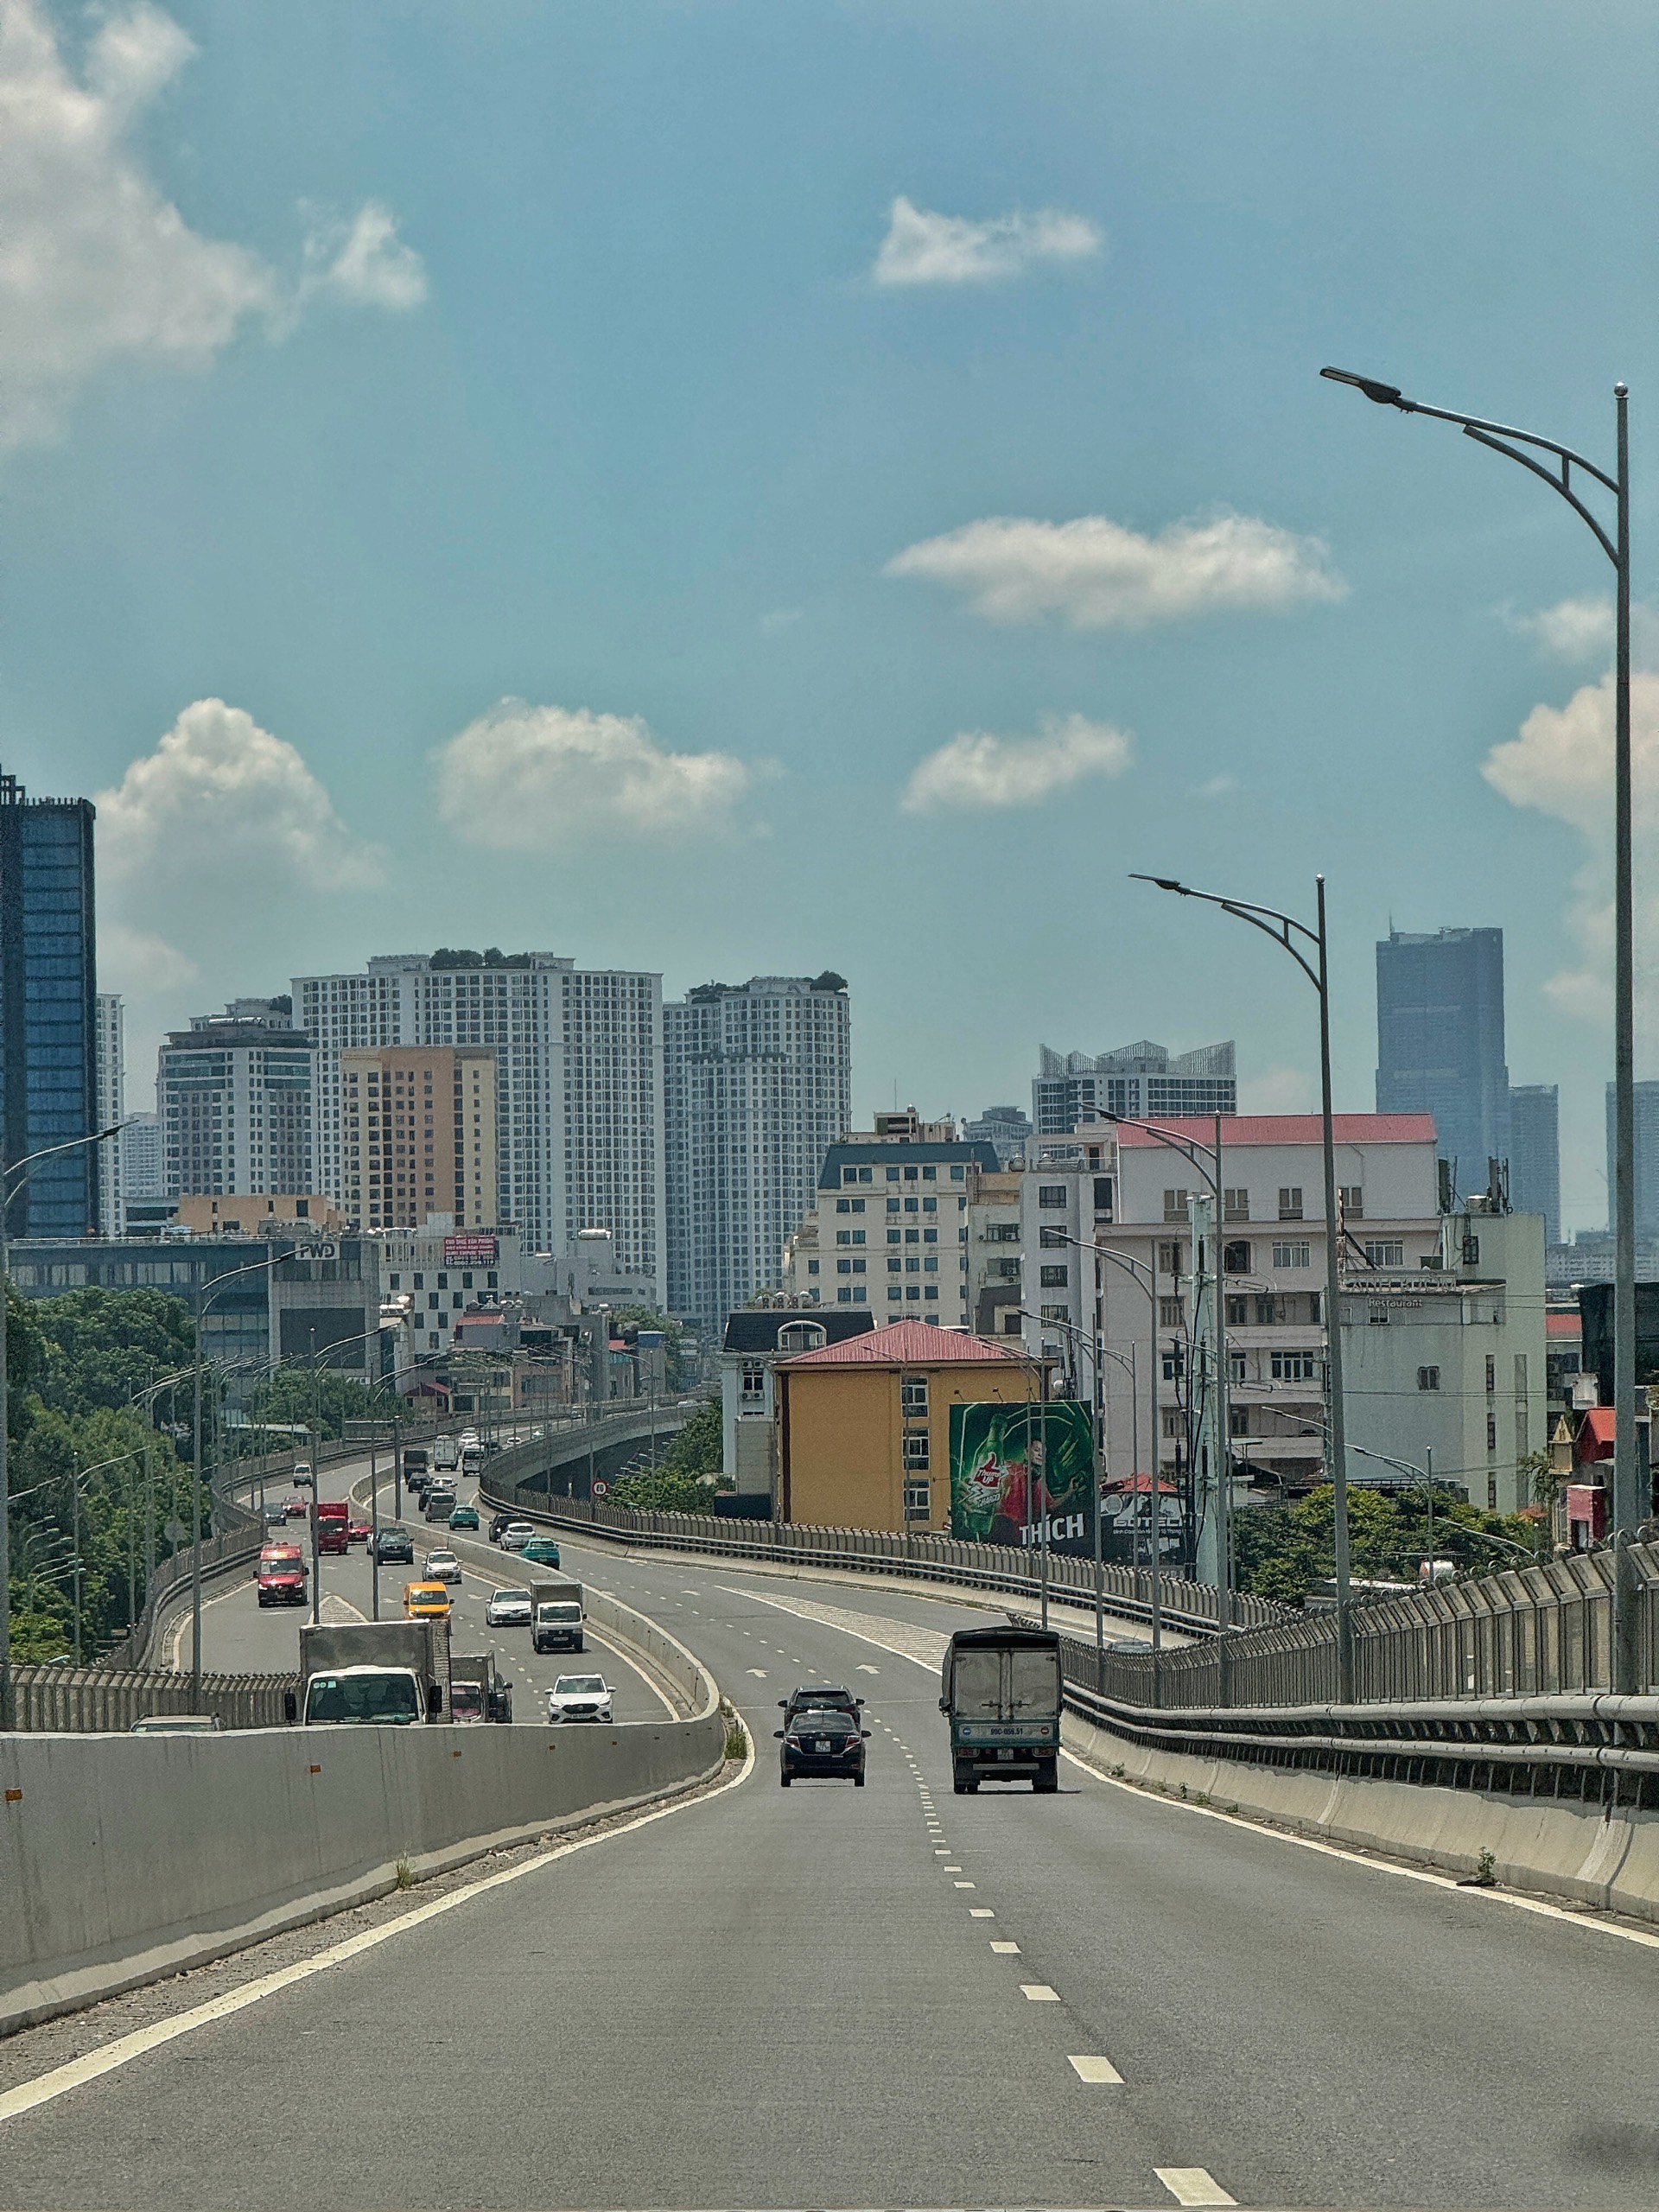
1144, 1081
109, 1086
757, 1087
579, 1082
234, 1092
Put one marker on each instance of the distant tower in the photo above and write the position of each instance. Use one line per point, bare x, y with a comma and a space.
1535, 1154
1440, 1042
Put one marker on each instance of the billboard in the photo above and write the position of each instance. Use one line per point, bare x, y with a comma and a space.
1014, 1463
469, 1251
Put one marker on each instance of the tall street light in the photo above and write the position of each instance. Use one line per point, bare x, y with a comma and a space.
1631, 1502
23, 1170
1292, 937
218, 1283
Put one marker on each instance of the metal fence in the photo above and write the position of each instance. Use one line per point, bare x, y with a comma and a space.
1188, 1608
90, 1701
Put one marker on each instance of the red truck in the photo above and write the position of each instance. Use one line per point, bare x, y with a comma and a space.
333, 1525
281, 1575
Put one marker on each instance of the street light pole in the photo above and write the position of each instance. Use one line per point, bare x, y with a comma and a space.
1632, 1482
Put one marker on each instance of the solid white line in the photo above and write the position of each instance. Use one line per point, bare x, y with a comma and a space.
1095, 2069
62, 2079
1040, 1993
1192, 2185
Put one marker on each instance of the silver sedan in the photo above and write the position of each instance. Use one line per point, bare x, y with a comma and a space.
508, 1609
442, 1567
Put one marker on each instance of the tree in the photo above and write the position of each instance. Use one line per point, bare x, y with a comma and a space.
662, 1490
1281, 1551
699, 1448
627, 1321
297, 1394
102, 1346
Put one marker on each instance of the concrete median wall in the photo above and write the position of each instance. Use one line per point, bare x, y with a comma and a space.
1588, 1855
125, 1859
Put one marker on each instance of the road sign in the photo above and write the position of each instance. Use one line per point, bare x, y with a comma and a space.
599, 1487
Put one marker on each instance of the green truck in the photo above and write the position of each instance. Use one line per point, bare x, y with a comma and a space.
1001, 1693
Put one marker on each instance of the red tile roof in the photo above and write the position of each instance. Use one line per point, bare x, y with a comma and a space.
907, 1344
1564, 1325
1291, 1129
1597, 1427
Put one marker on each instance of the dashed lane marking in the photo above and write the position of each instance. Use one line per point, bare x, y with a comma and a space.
1006, 1950
1192, 2185
961, 1885
1095, 2069
1040, 1993
980, 1912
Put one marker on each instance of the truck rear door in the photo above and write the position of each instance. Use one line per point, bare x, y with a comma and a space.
977, 1686
1033, 1685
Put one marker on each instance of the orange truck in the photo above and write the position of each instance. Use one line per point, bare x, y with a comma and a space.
333, 1525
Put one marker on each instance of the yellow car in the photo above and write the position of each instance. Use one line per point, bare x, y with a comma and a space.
427, 1601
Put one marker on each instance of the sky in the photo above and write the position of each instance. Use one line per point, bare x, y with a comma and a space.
727, 488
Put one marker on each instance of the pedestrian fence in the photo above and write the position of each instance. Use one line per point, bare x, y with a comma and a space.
90, 1701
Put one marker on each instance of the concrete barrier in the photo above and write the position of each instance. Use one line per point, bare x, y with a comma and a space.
125, 1858
1588, 1854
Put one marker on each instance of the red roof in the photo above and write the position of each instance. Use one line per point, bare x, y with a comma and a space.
1597, 1428
1564, 1325
1291, 1129
907, 1344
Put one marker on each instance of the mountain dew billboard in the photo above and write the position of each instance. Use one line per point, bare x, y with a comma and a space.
1012, 1464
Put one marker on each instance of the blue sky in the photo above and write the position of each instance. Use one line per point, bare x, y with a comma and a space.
616, 362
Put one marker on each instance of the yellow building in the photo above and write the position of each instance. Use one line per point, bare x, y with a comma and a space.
864, 1425
417, 1135
232, 1214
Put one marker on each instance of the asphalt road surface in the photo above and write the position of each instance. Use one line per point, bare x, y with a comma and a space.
239, 1635
897, 1997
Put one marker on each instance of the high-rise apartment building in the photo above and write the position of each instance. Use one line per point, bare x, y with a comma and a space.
109, 1061
234, 1093
1646, 1133
1535, 1154
1006, 1127
144, 1173
418, 1135
757, 1087
48, 1008
579, 1081
1143, 1082
1440, 1042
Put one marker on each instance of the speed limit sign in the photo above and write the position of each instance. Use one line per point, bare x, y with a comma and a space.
599, 1487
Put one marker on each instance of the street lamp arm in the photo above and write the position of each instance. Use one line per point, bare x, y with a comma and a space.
1476, 426
1283, 929
1189, 1147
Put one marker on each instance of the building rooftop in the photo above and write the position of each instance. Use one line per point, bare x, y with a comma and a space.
755, 1328
892, 1152
1286, 1128
911, 1343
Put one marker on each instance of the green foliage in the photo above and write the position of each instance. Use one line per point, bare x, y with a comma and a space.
627, 1321
103, 1346
662, 1490
25, 1363
1282, 1551
297, 1393
1544, 1478
700, 1445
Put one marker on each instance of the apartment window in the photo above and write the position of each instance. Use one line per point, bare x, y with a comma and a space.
858, 1237
1295, 1367
858, 1267
1290, 1202
844, 1205
1491, 1432
843, 1267
1519, 1374
754, 1379
912, 1397
959, 1174
1169, 1259
930, 1205
1236, 1205
930, 1263
895, 1237
1471, 1251
916, 1448
844, 1296
1002, 1232
1103, 1198
1169, 1313
849, 1174
1352, 1196
1238, 1421
1235, 1259
1056, 1313
1428, 1378
893, 1205
918, 1499
1267, 1312
1293, 1256
1238, 1367
813, 1266
1172, 1423
1385, 1253
1054, 1278
1004, 1271
1175, 1205
1051, 1240
932, 1290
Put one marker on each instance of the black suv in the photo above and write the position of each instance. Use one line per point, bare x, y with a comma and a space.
395, 1543
500, 1524
822, 1694
823, 1740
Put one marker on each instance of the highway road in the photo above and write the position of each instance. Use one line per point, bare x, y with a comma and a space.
897, 1997
239, 1635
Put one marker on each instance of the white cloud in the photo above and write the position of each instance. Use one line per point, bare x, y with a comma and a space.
137, 962
221, 801
1215, 787
364, 262
97, 265
924, 248
522, 778
1561, 765
979, 773
1573, 629
1096, 575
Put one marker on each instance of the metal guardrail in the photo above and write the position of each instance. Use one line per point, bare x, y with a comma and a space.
1188, 1608
89, 1701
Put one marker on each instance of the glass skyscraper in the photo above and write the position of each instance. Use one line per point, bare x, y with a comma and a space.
48, 1009
1646, 1135
1535, 1154
1440, 1042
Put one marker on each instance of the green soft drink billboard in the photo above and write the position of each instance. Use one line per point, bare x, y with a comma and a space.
997, 1449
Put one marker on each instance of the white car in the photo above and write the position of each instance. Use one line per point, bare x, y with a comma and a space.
442, 1567
508, 1609
517, 1535
580, 1697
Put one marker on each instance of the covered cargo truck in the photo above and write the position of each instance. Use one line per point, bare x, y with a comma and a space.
370, 1674
1002, 1692
557, 1622
478, 1689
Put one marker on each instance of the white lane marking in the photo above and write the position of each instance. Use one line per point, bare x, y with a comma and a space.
760, 1674
864, 1668
1006, 1950
1192, 2185
961, 1885
691, 1593
1095, 2068
980, 1912
943, 1852
1040, 1993
1453, 1882
61, 2079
